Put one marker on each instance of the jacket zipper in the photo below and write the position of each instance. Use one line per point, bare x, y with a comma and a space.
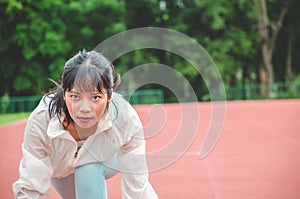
76, 153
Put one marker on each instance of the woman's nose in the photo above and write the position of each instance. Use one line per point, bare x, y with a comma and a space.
85, 105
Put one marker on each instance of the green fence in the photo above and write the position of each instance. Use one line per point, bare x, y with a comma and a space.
151, 96
27, 104
156, 96
18, 104
252, 91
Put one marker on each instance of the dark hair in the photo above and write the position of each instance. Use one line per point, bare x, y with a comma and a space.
86, 71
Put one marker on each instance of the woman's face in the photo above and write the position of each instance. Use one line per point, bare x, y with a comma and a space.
86, 108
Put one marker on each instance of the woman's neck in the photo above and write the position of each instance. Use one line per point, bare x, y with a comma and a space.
81, 133
84, 133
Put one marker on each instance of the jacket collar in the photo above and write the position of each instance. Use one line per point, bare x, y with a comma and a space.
56, 129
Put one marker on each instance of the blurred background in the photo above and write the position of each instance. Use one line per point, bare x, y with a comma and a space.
255, 44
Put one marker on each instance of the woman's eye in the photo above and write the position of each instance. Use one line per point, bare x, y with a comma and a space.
96, 97
75, 97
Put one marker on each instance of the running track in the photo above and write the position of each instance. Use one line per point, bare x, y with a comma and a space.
257, 155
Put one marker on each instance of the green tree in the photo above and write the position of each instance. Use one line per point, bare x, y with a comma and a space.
38, 37
224, 29
32, 38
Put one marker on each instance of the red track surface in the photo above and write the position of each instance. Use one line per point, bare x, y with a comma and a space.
257, 155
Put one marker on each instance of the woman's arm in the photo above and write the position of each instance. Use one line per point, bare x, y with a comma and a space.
128, 136
35, 168
135, 182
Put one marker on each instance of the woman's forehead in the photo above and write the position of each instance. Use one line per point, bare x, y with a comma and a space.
78, 90
86, 89
86, 83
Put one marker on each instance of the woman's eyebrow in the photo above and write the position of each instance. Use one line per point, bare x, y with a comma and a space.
96, 92
73, 91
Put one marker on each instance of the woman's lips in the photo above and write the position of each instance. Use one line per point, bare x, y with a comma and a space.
84, 119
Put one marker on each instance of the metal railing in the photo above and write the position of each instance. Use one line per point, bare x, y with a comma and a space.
28, 103
253, 91
18, 104
156, 96
150, 96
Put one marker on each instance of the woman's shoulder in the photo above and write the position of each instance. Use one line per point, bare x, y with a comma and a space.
119, 101
41, 111
37, 123
125, 120
121, 109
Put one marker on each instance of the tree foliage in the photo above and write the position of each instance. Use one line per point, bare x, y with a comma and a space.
37, 37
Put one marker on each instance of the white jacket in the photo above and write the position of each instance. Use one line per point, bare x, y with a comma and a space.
49, 151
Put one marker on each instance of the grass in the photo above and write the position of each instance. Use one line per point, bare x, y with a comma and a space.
12, 117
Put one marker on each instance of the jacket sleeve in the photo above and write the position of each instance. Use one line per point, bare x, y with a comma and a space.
35, 168
135, 183
131, 156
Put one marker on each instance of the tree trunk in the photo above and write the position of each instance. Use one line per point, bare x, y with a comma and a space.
289, 73
268, 33
263, 76
265, 67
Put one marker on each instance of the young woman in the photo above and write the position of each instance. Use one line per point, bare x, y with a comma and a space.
81, 134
